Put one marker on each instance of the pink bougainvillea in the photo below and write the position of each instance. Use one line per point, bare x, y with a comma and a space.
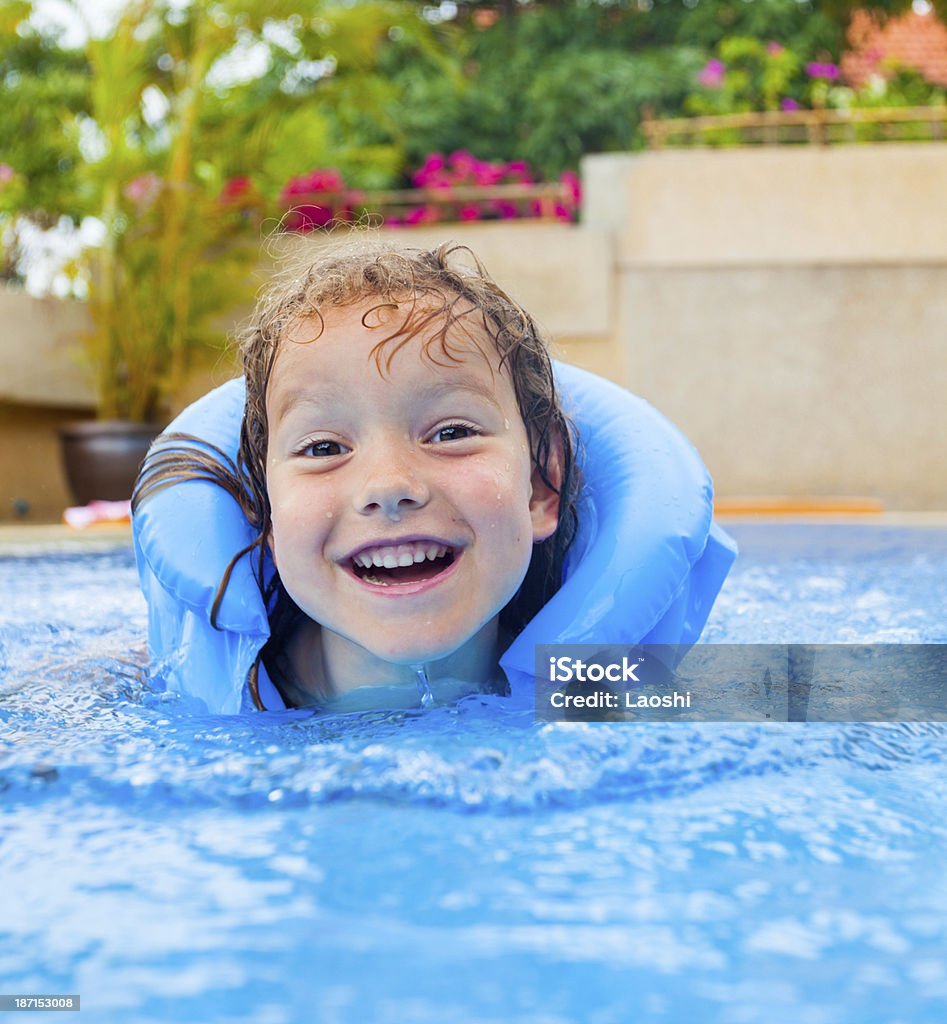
461, 169
315, 199
236, 190
573, 186
829, 72
307, 216
711, 75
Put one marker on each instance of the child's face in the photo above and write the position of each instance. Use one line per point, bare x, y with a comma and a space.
405, 506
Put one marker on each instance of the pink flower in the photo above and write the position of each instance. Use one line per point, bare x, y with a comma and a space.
827, 71
711, 76
318, 180
143, 190
326, 180
519, 171
308, 217
7, 173
774, 48
462, 169
429, 171
421, 215
789, 104
463, 161
236, 189
488, 174
573, 185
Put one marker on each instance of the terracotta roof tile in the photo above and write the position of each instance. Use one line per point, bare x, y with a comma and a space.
912, 40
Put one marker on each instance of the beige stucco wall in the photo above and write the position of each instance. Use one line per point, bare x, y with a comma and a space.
787, 307
800, 381
778, 205
40, 352
564, 274
32, 483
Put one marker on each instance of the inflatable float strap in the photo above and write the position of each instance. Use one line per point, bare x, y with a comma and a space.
645, 567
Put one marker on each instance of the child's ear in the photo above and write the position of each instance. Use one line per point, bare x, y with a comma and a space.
544, 500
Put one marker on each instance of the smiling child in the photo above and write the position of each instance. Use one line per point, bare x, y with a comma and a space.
406, 464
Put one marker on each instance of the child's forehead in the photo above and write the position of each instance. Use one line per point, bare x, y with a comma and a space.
379, 330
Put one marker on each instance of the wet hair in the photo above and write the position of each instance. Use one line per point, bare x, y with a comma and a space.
441, 292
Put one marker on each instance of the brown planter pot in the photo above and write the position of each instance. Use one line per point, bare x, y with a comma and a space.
102, 457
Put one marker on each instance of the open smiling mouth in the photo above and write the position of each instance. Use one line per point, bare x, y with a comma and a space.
402, 563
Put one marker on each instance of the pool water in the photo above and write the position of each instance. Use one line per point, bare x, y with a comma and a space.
464, 864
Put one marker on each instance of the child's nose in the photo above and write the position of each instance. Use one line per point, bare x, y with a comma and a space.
391, 485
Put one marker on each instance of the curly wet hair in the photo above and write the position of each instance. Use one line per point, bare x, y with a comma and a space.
438, 291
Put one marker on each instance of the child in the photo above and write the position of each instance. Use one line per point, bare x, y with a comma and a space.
406, 485
405, 462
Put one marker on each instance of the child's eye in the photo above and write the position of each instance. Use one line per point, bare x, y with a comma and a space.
322, 448
454, 432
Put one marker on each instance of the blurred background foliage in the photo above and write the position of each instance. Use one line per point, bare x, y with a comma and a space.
369, 88
175, 129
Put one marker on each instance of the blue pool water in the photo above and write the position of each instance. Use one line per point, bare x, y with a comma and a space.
464, 864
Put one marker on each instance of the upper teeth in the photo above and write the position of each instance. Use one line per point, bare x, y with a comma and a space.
390, 556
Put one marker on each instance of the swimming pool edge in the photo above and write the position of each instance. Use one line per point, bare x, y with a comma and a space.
28, 538
933, 520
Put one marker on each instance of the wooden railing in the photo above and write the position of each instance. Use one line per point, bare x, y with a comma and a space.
788, 127
543, 202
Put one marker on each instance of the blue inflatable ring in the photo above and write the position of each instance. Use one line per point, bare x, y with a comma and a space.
645, 567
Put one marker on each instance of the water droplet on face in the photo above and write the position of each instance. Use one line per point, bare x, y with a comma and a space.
328, 515
506, 424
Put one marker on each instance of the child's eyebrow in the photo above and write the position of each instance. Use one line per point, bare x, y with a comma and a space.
301, 396
472, 384
326, 393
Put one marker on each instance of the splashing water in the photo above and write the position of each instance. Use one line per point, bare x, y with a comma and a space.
424, 687
460, 862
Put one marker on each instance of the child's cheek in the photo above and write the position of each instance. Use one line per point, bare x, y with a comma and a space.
500, 490
309, 507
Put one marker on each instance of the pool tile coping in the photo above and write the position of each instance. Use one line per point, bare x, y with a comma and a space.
22, 538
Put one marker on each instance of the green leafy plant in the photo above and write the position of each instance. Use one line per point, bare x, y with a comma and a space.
163, 136
43, 86
169, 262
746, 75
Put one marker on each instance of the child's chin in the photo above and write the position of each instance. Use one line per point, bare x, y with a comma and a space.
415, 656
419, 654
